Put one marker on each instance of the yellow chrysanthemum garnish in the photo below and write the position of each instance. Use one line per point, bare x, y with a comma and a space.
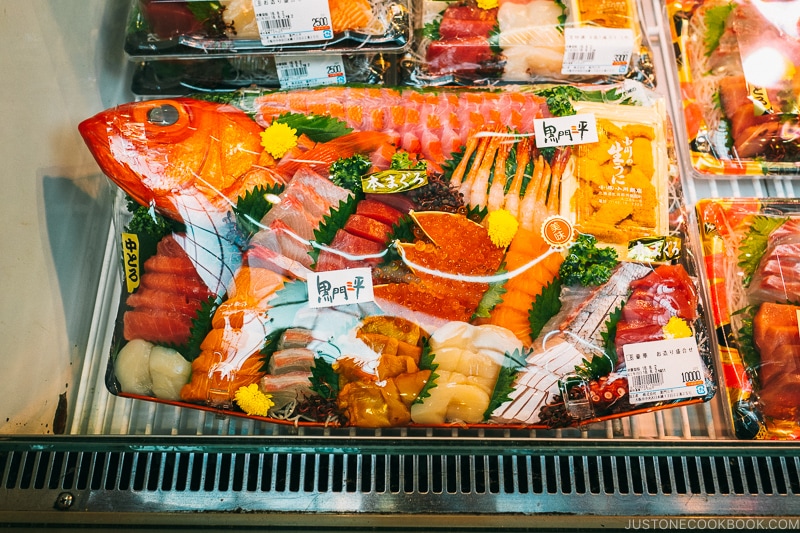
487, 4
278, 139
502, 226
676, 328
252, 401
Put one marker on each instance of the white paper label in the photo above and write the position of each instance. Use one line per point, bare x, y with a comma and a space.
297, 71
595, 50
293, 21
664, 370
340, 287
564, 131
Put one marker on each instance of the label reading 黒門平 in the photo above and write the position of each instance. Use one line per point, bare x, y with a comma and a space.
300, 71
596, 50
340, 287
565, 131
664, 370
293, 21
130, 256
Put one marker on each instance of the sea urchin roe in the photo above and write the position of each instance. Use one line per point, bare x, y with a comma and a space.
616, 199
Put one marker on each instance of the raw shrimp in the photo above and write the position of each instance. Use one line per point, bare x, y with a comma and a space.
477, 191
498, 187
536, 205
511, 200
461, 169
466, 185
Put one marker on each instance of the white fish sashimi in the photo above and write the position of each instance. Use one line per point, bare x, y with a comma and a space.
529, 36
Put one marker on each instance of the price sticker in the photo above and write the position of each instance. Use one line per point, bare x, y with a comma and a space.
565, 131
664, 370
340, 287
292, 21
299, 71
596, 50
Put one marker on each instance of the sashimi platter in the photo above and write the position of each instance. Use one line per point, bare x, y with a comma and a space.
750, 251
736, 63
380, 257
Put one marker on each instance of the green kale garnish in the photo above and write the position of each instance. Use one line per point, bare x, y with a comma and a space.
586, 264
559, 99
146, 221
402, 161
545, 306
426, 363
715, 20
504, 385
347, 172
318, 128
431, 29
754, 244
252, 207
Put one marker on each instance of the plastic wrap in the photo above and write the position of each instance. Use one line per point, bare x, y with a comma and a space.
472, 42
389, 257
192, 28
184, 77
750, 248
736, 67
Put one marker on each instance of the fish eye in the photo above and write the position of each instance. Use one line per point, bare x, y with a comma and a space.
163, 115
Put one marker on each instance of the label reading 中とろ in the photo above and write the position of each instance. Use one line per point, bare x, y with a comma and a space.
596, 50
565, 131
300, 71
340, 287
130, 256
293, 21
664, 370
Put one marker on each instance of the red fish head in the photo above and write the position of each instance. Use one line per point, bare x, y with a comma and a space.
159, 151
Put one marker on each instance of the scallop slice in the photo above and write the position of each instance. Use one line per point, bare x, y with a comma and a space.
169, 372
132, 367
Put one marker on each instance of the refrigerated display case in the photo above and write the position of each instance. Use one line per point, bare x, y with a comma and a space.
72, 454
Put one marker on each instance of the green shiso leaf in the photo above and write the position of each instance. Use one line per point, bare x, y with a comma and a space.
252, 207
426, 363
324, 379
746, 342
333, 222
504, 385
318, 128
754, 244
715, 20
545, 306
201, 325
609, 343
492, 296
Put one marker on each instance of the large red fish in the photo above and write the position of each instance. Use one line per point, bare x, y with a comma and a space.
179, 154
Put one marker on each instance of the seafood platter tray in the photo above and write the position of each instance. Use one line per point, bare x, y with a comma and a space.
490, 42
512, 257
735, 69
172, 29
749, 246
184, 77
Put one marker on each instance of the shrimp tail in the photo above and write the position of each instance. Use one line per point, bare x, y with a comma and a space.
458, 173
499, 181
478, 190
511, 200
480, 152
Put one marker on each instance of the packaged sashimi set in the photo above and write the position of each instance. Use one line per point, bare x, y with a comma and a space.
751, 263
204, 28
384, 257
736, 63
489, 42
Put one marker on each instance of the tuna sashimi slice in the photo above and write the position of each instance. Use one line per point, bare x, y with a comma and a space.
379, 211
159, 327
146, 298
180, 265
368, 228
182, 285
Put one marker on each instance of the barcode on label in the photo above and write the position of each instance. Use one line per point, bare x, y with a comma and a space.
645, 380
294, 72
581, 56
266, 25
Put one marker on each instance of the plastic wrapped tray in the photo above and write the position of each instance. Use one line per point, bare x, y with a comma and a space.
215, 75
470, 42
750, 253
338, 268
202, 28
735, 65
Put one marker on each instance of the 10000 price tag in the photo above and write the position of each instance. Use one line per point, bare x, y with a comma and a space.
664, 370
